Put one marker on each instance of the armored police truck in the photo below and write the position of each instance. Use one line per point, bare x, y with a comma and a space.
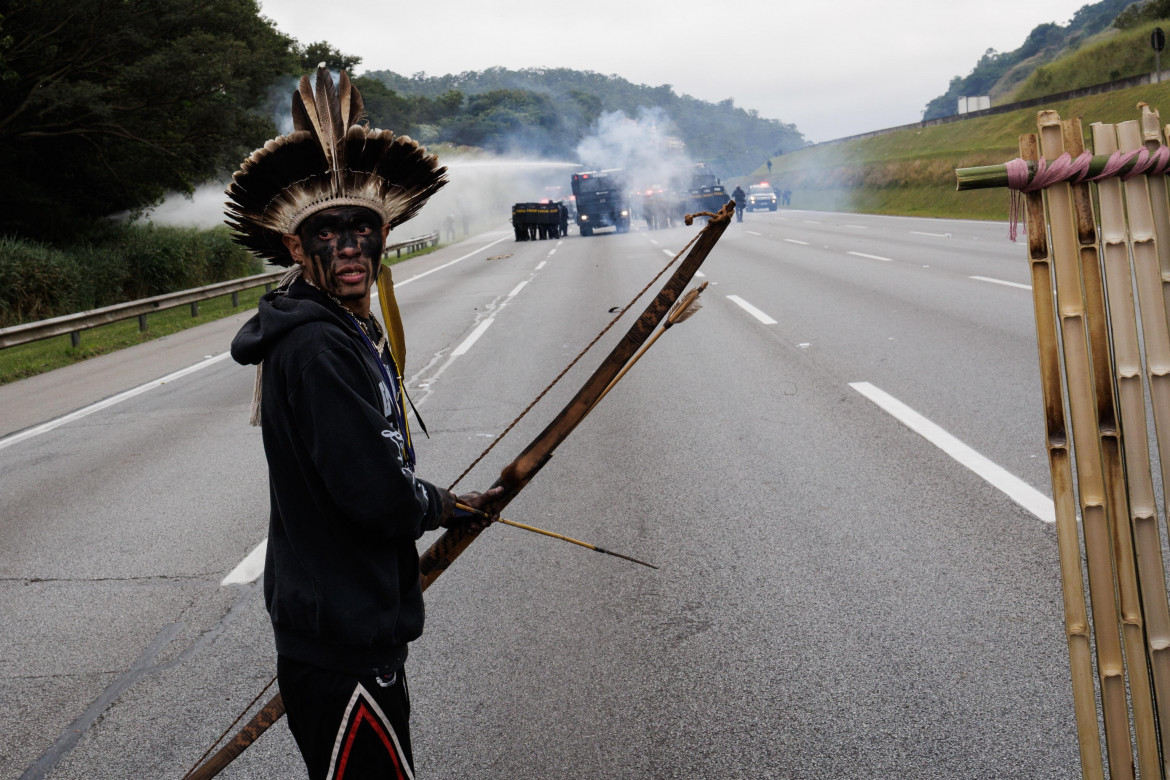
602, 201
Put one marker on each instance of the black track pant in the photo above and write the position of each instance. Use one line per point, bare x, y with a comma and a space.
347, 727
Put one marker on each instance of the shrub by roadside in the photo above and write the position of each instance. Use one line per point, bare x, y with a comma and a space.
122, 263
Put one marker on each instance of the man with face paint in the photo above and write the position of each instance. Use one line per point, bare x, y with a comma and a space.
339, 250
341, 576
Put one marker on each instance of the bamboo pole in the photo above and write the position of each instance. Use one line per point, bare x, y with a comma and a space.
1149, 230
1152, 138
1142, 507
1076, 615
1118, 515
1148, 539
1088, 458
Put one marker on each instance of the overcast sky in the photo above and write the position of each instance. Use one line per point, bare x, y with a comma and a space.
833, 68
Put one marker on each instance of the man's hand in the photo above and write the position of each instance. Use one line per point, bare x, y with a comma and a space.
453, 517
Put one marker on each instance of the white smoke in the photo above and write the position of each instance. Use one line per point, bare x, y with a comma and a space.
646, 147
479, 195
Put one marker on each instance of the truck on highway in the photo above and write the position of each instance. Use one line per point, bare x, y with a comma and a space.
707, 192
602, 201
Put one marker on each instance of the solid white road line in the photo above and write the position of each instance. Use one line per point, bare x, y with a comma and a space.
1001, 281
1016, 489
449, 264
88, 410
107, 403
752, 310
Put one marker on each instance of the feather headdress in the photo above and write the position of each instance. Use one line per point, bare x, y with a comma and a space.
328, 160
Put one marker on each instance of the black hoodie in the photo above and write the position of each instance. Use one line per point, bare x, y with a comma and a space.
341, 579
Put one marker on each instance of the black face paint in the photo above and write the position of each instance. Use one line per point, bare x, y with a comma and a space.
343, 247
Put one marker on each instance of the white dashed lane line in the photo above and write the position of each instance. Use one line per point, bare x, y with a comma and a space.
1001, 281
870, 257
752, 310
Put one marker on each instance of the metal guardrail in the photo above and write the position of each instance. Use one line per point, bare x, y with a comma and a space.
413, 244
74, 324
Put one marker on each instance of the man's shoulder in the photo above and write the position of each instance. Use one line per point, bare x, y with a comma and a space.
311, 337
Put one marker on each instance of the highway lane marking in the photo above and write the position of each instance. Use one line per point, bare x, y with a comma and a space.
810, 222
752, 310
482, 327
998, 477
668, 253
1001, 281
540, 265
859, 227
870, 257
111, 401
117, 399
472, 337
248, 569
754, 233
932, 235
449, 264
794, 241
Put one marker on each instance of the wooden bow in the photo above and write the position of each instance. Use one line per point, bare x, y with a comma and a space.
517, 474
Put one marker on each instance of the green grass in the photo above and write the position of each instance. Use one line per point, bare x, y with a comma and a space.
27, 360
1110, 55
37, 357
911, 172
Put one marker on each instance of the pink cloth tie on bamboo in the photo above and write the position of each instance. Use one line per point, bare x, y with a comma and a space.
1074, 171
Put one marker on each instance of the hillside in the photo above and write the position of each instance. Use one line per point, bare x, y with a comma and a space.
549, 112
911, 172
1000, 74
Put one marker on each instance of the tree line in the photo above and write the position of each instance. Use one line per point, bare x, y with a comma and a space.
107, 106
546, 112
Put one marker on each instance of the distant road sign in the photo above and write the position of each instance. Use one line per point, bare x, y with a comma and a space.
1158, 39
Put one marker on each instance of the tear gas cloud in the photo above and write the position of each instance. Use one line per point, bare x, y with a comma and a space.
479, 195
645, 147
483, 187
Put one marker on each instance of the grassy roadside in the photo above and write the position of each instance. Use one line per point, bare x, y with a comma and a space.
38, 357
911, 172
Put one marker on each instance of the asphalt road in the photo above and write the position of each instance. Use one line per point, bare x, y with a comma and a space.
838, 597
